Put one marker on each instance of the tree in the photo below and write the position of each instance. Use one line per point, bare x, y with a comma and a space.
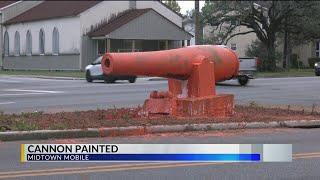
259, 50
173, 5
264, 18
191, 14
197, 22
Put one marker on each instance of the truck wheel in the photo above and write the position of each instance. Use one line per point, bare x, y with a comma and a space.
317, 74
243, 80
88, 76
132, 80
108, 79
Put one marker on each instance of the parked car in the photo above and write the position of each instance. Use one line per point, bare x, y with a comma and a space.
94, 72
317, 68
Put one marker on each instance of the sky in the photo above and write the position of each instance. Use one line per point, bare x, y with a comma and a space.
188, 5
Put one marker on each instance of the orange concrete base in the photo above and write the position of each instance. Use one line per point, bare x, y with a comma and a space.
211, 106
159, 106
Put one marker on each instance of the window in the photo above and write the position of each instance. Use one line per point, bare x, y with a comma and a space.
28, 44
17, 44
55, 41
101, 46
234, 47
318, 49
6, 44
97, 61
41, 42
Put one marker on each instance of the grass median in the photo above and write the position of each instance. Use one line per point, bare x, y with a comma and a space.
74, 74
124, 117
290, 73
80, 74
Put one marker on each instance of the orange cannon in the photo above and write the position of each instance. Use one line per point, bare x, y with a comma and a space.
192, 73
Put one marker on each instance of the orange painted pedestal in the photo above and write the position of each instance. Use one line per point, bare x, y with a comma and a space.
194, 97
214, 106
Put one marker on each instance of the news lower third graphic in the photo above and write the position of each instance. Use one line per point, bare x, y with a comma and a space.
156, 152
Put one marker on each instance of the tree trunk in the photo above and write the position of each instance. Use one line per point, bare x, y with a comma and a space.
271, 61
288, 53
285, 49
270, 64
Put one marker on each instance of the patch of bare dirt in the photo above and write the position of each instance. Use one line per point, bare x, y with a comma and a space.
121, 117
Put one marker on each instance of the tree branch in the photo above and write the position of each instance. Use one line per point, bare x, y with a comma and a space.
237, 34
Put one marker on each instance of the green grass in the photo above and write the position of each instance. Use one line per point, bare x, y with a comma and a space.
75, 74
291, 73
18, 122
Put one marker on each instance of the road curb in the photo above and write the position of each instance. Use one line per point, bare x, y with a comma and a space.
77, 78
157, 79
47, 77
143, 130
58, 78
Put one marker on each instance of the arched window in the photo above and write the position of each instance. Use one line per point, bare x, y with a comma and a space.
6, 44
28, 44
17, 44
55, 41
41, 42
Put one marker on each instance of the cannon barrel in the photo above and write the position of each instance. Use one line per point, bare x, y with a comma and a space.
174, 63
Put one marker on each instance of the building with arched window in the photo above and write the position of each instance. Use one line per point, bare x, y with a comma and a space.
17, 44
28, 43
68, 35
41, 42
6, 44
55, 41
9, 10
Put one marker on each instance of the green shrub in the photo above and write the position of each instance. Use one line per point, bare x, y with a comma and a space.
311, 61
259, 50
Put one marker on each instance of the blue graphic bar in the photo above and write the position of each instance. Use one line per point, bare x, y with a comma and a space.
144, 157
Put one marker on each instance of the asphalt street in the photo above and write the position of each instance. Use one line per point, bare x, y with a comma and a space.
305, 164
22, 94
19, 94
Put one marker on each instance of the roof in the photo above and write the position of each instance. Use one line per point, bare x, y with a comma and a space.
117, 22
164, 4
53, 9
122, 19
6, 3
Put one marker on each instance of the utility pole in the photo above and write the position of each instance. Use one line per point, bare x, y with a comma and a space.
197, 22
285, 46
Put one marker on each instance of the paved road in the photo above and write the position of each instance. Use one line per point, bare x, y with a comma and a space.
305, 167
19, 94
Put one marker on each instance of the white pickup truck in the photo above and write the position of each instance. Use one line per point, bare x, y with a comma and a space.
247, 68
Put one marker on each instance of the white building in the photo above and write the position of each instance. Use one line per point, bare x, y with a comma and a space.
10, 9
68, 35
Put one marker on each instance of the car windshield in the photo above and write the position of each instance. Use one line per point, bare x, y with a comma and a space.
98, 60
